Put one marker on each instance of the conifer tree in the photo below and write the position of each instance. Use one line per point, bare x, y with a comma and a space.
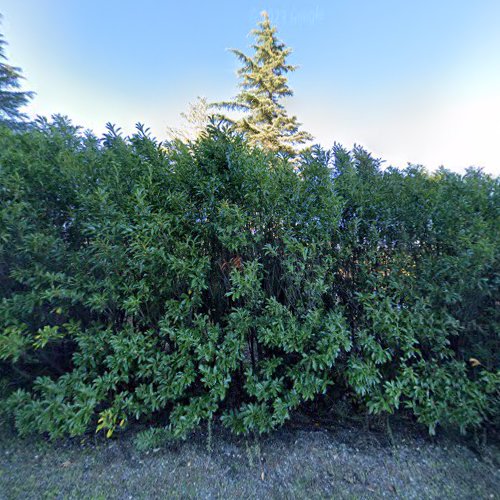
11, 97
263, 86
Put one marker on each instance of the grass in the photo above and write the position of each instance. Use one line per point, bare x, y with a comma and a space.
291, 463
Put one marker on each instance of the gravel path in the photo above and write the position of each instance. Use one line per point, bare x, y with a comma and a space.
291, 463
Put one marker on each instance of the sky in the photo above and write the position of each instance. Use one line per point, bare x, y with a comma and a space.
410, 80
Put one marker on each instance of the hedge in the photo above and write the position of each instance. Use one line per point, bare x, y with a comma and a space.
178, 283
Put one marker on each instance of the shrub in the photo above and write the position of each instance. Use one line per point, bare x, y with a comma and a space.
177, 283
152, 438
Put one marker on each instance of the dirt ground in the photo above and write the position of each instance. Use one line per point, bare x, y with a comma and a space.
304, 462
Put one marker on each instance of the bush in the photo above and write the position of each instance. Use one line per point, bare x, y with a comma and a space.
178, 283
152, 438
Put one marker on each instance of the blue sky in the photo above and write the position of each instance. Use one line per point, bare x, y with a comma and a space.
412, 81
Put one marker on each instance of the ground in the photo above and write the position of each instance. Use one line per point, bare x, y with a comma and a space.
303, 462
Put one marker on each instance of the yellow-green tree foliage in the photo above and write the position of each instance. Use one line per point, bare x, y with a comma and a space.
263, 86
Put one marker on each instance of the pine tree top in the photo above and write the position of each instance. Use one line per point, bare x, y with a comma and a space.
11, 98
263, 85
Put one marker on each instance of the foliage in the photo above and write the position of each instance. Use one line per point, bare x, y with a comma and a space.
264, 85
152, 438
11, 97
195, 121
178, 284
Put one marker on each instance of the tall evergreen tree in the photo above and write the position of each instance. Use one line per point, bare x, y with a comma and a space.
11, 97
263, 86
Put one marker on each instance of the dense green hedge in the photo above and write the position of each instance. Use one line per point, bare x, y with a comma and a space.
178, 284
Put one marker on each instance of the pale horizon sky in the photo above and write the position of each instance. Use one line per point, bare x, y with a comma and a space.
412, 82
